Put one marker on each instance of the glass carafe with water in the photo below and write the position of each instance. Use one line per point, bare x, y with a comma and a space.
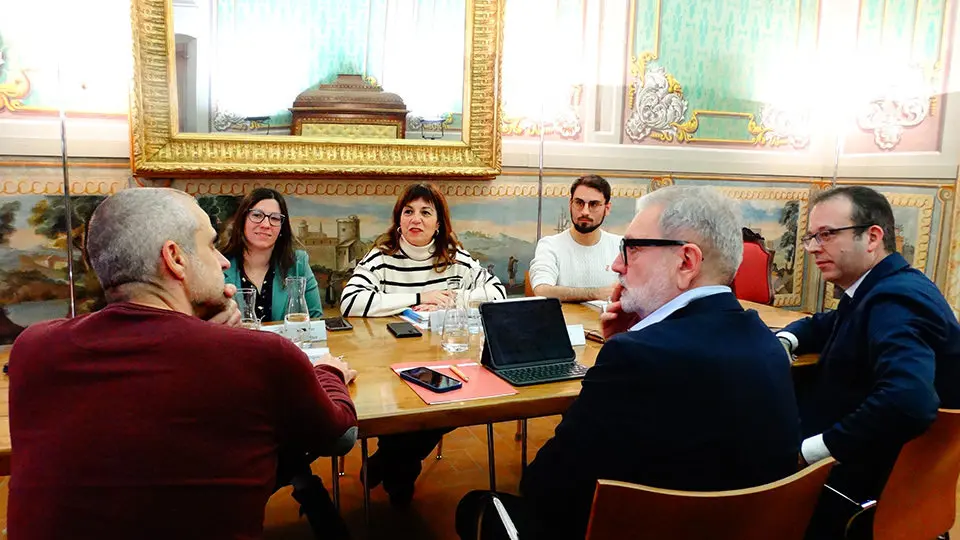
296, 320
455, 335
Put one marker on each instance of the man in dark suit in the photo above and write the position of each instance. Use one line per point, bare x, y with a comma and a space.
688, 392
889, 355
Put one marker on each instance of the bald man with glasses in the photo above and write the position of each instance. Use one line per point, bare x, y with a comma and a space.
889, 355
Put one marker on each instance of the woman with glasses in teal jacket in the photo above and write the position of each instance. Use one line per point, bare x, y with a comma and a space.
259, 245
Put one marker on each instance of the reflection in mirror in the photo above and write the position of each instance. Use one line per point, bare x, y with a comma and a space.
321, 68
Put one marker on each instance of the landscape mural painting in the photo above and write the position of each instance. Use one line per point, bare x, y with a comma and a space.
777, 214
499, 230
34, 280
336, 232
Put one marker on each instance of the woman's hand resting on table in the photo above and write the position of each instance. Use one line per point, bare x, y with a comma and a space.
438, 299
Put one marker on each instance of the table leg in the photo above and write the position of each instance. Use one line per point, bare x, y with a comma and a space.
335, 481
523, 445
366, 486
491, 462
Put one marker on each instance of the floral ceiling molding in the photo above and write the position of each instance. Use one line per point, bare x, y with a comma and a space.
903, 101
658, 109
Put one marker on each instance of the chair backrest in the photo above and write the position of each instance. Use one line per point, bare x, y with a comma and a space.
780, 510
919, 500
527, 288
754, 278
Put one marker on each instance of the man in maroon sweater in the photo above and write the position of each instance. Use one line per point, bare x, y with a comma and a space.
144, 420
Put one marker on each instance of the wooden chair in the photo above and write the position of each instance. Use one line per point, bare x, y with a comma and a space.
780, 510
920, 498
754, 278
527, 287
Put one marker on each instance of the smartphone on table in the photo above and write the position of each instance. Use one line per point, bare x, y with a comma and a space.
403, 330
337, 323
428, 378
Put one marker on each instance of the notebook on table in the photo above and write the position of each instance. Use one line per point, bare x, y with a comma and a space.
527, 342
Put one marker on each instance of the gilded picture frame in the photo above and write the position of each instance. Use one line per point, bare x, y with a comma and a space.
159, 150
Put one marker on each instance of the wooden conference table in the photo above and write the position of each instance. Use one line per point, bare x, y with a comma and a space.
385, 404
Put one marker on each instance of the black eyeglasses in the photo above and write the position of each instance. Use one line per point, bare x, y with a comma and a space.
646, 242
827, 234
257, 216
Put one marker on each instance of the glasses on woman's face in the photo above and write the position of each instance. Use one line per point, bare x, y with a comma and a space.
826, 235
256, 216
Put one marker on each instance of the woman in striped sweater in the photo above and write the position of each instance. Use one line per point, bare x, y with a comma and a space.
410, 263
409, 266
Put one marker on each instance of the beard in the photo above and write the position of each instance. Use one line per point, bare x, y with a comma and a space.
586, 229
648, 297
206, 295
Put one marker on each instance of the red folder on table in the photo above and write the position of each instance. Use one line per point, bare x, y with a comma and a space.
482, 383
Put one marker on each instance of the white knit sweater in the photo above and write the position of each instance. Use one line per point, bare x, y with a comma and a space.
560, 260
384, 284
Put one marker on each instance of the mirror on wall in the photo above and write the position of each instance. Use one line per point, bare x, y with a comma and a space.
316, 87
365, 68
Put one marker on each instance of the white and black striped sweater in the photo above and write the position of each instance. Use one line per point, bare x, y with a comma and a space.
384, 284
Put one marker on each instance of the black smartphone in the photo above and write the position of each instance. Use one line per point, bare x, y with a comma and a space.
403, 329
428, 378
337, 323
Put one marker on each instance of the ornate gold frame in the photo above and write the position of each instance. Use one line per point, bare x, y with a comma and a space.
158, 150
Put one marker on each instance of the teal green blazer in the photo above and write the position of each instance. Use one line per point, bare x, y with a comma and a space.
301, 268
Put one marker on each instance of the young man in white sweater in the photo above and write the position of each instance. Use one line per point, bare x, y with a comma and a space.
574, 266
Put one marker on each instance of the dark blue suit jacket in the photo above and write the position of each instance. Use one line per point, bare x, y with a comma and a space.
702, 400
886, 364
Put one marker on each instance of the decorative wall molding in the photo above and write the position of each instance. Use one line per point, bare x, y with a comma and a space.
952, 286
386, 188
23, 186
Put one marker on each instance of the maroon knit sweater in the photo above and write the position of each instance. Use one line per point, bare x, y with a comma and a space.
135, 422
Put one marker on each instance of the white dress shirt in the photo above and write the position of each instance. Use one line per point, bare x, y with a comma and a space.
680, 301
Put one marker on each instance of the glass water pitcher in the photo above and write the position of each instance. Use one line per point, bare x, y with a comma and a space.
455, 335
296, 320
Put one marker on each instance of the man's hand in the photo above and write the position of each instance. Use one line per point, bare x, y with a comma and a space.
801, 463
605, 293
787, 347
337, 363
614, 320
230, 314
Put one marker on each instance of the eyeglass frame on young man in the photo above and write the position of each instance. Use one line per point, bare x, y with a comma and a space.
593, 206
831, 234
647, 242
271, 217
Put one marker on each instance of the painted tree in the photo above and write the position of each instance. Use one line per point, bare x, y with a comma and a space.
8, 212
789, 216
49, 218
220, 208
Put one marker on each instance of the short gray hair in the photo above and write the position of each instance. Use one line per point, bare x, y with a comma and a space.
127, 231
704, 216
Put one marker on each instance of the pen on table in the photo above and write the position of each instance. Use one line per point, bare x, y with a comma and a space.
593, 335
459, 373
